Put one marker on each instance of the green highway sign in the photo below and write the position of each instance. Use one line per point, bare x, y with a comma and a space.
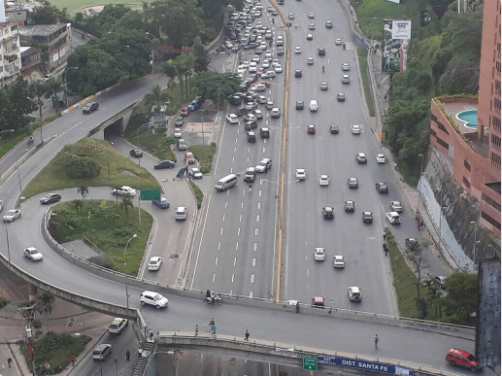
310, 364
150, 194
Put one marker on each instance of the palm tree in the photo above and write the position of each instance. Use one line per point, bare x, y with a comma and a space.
39, 89
103, 209
83, 190
126, 204
181, 69
155, 96
54, 86
77, 205
189, 62
171, 71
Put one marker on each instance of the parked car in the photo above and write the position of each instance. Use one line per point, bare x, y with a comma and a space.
318, 302
50, 198
12, 215
102, 352
161, 203
195, 173
118, 324
184, 112
135, 153
164, 164
90, 107
189, 158
33, 254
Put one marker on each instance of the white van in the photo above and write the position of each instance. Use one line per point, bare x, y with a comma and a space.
313, 105
225, 183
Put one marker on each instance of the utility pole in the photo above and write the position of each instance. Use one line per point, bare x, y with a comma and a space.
28, 314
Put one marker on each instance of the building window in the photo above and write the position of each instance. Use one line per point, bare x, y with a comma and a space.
443, 144
490, 201
467, 165
495, 141
442, 127
497, 87
433, 133
466, 182
434, 118
496, 123
495, 160
490, 220
496, 103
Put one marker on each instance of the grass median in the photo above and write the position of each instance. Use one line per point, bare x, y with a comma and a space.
116, 170
363, 66
53, 352
204, 155
108, 225
199, 196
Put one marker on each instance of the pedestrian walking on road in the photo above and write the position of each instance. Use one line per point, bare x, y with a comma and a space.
128, 355
376, 341
211, 323
196, 330
213, 328
418, 224
9, 362
384, 234
246, 338
72, 357
297, 307
422, 225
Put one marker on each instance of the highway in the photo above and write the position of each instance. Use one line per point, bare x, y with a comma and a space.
334, 154
235, 250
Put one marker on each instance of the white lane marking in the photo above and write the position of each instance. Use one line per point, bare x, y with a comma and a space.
248, 159
252, 278
266, 122
236, 246
259, 205
249, 150
238, 130
253, 262
235, 260
235, 149
233, 276
256, 231
219, 246
231, 170
264, 150
236, 140
265, 141
251, 294
243, 192
230, 293
240, 218
328, 60
242, 205
239, 232
258, 218
233, 159
223, 217
308, 273
214, 277
226, 204
228, 192
216, 261
255, 246
259, 193
221, 231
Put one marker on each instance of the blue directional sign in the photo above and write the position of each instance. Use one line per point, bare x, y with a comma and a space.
364, 365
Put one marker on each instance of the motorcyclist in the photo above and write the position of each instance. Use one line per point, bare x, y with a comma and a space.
344, 46
270, 43
30, 140
213, 297
323, 69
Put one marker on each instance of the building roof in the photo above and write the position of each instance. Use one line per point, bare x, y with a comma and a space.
41, 30
494, 187
27, 51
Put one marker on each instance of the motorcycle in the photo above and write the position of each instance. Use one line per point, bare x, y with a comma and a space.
30, 141
212, 300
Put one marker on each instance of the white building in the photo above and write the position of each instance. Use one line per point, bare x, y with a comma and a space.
10, 52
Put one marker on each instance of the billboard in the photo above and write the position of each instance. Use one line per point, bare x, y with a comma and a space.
396, 43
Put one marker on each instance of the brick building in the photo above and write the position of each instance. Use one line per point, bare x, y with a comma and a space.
467, 131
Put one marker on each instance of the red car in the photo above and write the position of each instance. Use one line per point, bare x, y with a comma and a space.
311, 129
462, 358
189, 157
185, 112
350, 206
264, 133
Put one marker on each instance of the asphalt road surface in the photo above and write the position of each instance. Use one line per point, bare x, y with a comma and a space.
237, 251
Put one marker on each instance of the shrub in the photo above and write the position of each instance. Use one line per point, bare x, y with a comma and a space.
81, 167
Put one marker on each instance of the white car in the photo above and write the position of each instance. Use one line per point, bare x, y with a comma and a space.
258, 114
278, 68
301, 174
345, 67
393, 218
275, 113
310, 61
33, 254
396, 206
12, 215
124, 190
319, 254
251, 106
380, 158
356, 129
154, 263
355, 294
177, 133
324, 180
265, 65
338, 262
259, 88
268, 74
261, 99
231, 118
181, 213
311, 15
195, 173
264, 165
118, 324
153, 298
338, 41
298, 50
253, 68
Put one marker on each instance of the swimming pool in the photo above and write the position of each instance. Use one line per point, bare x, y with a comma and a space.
470, 117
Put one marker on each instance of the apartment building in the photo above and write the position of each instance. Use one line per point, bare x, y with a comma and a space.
10, 52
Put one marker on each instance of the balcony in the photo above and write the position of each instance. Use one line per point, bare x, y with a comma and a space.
11, 58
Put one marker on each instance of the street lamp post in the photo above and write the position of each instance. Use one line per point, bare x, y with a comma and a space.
40, 104
153, 36
137, 140
125, 264
66, 83
419, 176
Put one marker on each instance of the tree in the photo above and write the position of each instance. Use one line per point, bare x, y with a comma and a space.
126, 204
54, 86
77, 205
83, 190
462, 298
170, 70
186, 62
156, 96
103, 210
216, 86
46, 15
202, 58
38, 90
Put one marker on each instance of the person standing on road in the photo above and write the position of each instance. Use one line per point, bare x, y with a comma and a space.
376, 341
196, 330
128, 355
246, 336
9, 362
297, 307
72, 357
213, 328
384, 234
211, 323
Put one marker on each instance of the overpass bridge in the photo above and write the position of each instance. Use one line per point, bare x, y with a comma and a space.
83, 283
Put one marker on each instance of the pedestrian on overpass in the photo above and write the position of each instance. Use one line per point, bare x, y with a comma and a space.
211, 323
213, 328
128, 355
246, 338
297, 307
196, 330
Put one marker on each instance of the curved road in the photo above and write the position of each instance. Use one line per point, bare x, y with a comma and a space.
183, 313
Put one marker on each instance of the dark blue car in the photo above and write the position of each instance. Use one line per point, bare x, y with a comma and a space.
162, 203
